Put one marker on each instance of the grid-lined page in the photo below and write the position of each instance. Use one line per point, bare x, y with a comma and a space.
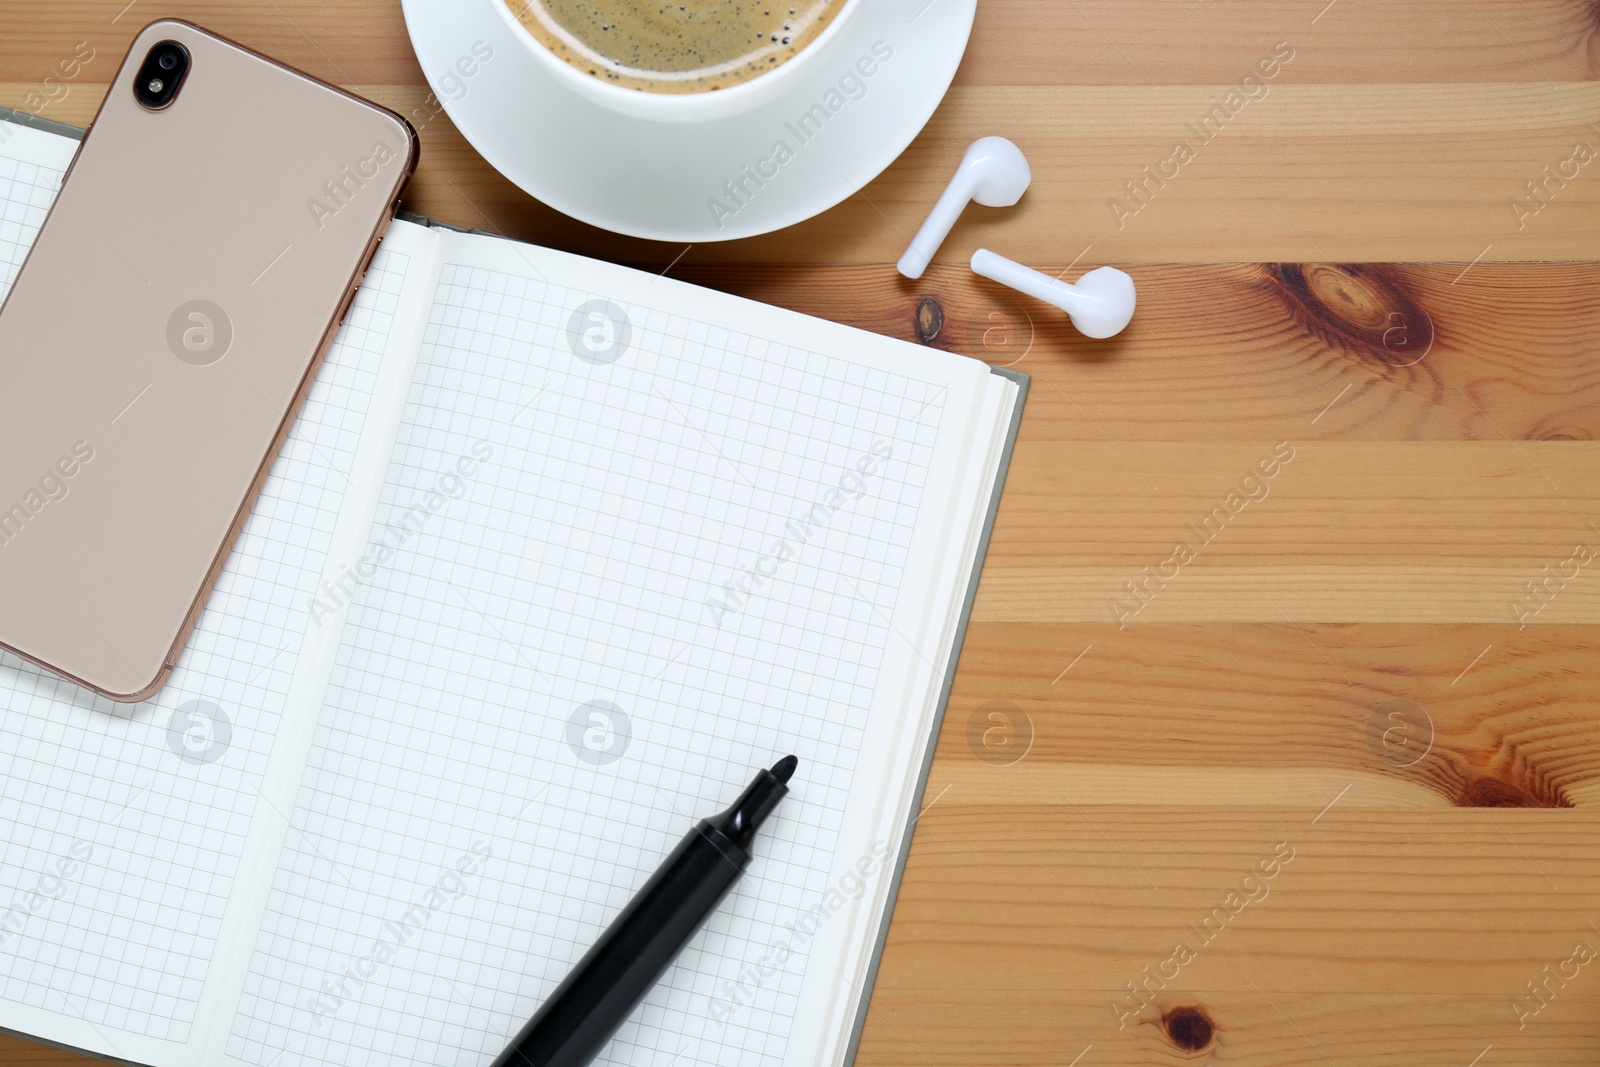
623, 559
31, 166
124, 824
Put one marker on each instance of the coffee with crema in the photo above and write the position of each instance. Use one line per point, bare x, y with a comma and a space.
690, 46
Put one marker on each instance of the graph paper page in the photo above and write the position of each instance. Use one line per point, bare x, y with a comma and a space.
635, 542
124, 827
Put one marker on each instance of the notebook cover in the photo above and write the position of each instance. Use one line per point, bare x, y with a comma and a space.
22, 118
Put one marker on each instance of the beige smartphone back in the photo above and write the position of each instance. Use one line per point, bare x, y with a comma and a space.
161, 335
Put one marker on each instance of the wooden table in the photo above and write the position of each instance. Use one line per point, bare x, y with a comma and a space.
1350, 685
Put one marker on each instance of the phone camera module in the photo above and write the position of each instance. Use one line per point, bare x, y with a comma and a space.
161, 75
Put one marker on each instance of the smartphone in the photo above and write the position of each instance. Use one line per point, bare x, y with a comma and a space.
161, 335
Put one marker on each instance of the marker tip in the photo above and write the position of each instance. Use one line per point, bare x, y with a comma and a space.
784, 769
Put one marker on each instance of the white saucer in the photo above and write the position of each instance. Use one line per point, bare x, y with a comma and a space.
664, 180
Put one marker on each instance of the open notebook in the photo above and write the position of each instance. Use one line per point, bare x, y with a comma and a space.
556, 556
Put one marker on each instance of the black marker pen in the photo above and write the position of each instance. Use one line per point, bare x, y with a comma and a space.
586, 1009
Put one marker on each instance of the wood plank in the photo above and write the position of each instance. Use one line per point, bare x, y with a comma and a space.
21, 1052
1260, 1027
1361, 901
1217, 352
1262, 714
1340, 533
1021, 42
348, 42
1309, 173
1138, 42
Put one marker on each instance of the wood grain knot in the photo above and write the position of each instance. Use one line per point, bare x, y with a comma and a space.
1357, 308
1488, 792
929, 321
1561, 433
1190, 1028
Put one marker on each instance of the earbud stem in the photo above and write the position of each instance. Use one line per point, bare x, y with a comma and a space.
1014, 275
941, 220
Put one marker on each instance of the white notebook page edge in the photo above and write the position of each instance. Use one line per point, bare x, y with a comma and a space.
834, 1008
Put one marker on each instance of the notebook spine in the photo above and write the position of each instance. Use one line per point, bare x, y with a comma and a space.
22, 118
422, 220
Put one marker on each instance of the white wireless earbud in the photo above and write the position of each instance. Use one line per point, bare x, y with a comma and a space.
994, 172
1100, 303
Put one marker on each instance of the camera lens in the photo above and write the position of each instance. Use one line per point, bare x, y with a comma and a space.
161, 75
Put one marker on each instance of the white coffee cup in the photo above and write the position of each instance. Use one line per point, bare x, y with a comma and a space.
684, 107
